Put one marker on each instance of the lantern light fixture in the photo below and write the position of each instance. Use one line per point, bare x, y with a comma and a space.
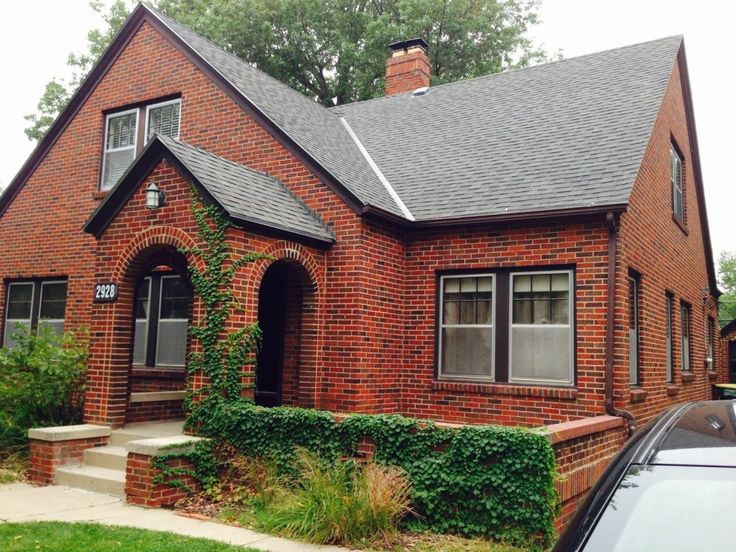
155, 197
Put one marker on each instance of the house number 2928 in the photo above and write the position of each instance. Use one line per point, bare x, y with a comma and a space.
106, 292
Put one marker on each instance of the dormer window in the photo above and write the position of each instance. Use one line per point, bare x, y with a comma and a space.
678, 204
163, 118
125, 137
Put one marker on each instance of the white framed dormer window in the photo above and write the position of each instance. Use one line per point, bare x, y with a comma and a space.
163, 118
678, 201
466, 337
121, 131
541, 333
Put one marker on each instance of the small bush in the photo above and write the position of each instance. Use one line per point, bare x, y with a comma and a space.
338, 502
41, 382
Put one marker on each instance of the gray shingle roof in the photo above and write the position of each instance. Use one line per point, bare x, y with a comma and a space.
563, 135
247, 195
312, 126
568, 134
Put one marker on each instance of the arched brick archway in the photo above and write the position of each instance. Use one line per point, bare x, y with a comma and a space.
301, 339
109, 367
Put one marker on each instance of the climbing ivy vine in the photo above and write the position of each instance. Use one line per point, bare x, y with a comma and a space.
221, 352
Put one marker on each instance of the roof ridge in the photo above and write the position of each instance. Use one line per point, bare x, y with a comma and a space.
511, 71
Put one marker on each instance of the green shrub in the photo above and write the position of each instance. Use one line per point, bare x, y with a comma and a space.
337, 502
488, 481
41, 382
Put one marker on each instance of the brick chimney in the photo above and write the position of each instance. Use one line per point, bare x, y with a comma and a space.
408, 67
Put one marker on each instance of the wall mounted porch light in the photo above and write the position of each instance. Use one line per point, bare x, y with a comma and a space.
155, 197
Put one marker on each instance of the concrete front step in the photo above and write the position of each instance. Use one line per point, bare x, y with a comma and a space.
92, 478
148, 430
113, 458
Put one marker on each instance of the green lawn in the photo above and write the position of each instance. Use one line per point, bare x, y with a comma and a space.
73, 537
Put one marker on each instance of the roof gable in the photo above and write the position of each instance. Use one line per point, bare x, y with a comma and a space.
251, 199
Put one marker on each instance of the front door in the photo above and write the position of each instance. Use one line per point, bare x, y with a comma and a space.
732, 361
271, 310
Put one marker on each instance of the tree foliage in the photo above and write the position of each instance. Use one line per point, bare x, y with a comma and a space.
58, 91
330, 50
727, 282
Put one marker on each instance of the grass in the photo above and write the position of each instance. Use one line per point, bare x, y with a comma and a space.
72, 537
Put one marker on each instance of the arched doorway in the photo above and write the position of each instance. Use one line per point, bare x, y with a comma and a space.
285, 311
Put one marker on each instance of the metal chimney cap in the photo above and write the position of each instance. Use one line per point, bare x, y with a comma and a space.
406, 44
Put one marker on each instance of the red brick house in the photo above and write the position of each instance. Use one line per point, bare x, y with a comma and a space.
524, 248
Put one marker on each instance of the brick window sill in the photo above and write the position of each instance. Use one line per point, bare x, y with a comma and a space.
687, 377
99, 195
672, 390
680, 224
637, 394
143, 372
565, 393
712, 374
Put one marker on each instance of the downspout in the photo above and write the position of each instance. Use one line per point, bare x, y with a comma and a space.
610, 321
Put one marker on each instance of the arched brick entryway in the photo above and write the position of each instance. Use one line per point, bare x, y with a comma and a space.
291, 282
109, 367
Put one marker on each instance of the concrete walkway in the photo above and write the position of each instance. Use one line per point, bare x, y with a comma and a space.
20, 502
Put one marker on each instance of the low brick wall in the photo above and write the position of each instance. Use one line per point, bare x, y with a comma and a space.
154, 411
60, 446
583, 450
141, 487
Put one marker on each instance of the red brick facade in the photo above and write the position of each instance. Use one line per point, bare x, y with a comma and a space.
360, 327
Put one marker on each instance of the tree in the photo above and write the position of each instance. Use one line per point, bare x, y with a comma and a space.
727, 282
331, 50
58, 91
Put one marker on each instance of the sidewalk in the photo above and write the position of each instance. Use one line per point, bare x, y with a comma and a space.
20, 502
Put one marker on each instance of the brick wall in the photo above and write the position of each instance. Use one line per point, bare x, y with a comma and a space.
670, 258
45, 456
140, 488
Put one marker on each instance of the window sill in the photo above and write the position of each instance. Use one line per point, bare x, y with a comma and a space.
680, 224
565, 393
637, 394
99, 194
672, 390
145, 372
687, 377
712, 374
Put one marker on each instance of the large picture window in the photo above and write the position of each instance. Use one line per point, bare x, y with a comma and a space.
162, 307
506, 326
541, 328
466, 340
30, 303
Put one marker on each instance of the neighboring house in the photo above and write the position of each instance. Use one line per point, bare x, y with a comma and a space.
524, 248
728, 351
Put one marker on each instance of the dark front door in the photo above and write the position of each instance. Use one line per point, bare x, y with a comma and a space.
271, 308
732, 361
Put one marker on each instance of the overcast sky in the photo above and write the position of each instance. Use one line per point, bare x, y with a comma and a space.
36, 37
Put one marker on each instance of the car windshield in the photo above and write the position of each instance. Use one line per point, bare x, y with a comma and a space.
668, 509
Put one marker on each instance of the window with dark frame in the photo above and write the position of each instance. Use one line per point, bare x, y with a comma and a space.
633, 280
710, 338
33, 302
162, 309
685, 337
506, 326
676, 181
466, 334
669, 337
124, 137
